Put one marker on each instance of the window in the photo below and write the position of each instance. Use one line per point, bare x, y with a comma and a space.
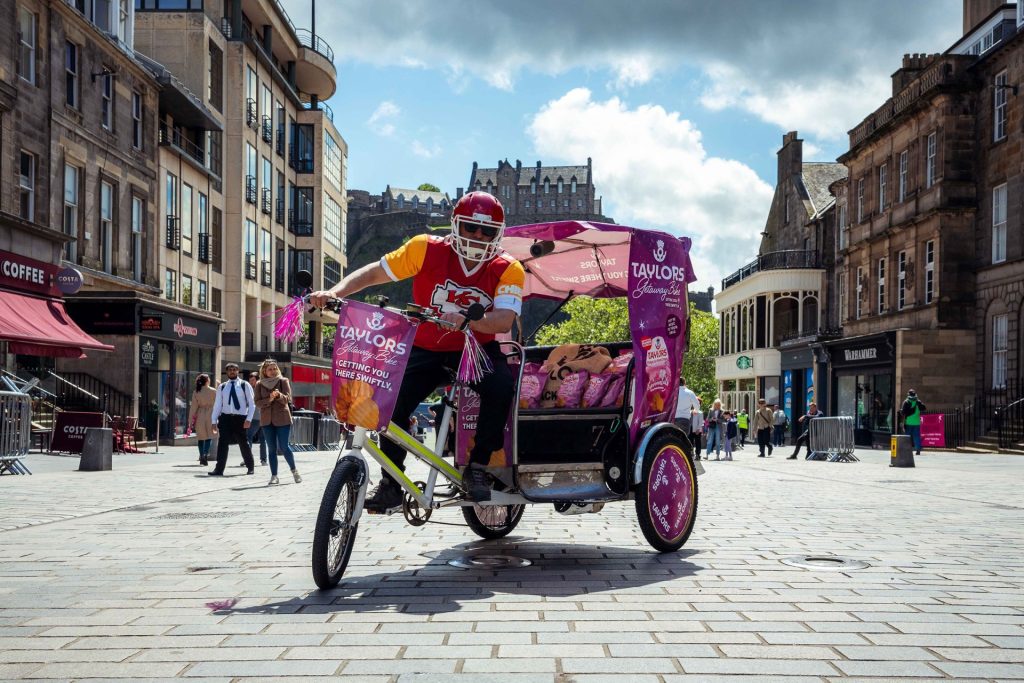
533, 187
901, 281
841, 228
860, 292
186, 289
999, 224
136, 120
215, 92
186, 219
332, 160
883, 177
171, 196
565, 203
215, 301
559, 186
881, 285
929, 271
842, 297
122, 20
216, 239
547, 186
506, 191
999, 106
107, 100
579, 203
552, 203
1000, 325
931, 149
299, 259
300, 221
902, 194
170, 285
27, 45
101, 15
572, 187
203, 225
71, 74
71, 189
332, 272
201, 297
106, 225
27, 186
251, 236
303, 148
526, 204
266, 247
860, 200
250, 173
332, 222
138, 213
266, 185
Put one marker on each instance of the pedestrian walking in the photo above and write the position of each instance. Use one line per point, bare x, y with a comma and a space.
714, 429
689, 417
763, 427
911, 412
730, 433
805, 420
255, 430
780, 422
200, 413
232, 413
743, 424
274, 396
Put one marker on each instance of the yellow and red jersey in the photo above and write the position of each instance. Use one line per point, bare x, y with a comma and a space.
441, 282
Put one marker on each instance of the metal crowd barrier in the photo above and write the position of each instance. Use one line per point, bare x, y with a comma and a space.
15, 431
329, 434
303, 435
831, 438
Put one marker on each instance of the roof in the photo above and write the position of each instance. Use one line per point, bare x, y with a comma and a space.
527, 173
424, 195
816, 177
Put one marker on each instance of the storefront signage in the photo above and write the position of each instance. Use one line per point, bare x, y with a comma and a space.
170, 325
147, 353
879, 350
744, 362
69, 280
854, 355
69, 430
230, 338
28, 275
151, 323
103, 317
183, 330
933, 430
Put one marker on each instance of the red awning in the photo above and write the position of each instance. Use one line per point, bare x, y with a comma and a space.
41, 327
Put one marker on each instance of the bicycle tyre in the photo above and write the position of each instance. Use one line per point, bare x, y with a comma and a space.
485, 523
667, 532
331, 553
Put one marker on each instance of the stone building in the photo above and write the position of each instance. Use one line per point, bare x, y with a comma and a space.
534, 194
436, 205
771, 310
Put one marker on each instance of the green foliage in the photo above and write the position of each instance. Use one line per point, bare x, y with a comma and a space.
427, 187
699, 363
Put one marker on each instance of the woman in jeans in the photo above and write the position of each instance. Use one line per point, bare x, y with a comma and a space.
714, 430
273, 396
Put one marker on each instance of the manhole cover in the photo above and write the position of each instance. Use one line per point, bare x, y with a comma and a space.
199, 515
489, 562
824, 562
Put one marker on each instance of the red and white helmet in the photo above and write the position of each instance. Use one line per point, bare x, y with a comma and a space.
477, 212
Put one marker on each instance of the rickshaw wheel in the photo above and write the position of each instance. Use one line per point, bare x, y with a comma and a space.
493, 521
333, 537
666, 495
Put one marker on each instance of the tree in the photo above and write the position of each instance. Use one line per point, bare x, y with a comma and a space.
607, 320
427, 187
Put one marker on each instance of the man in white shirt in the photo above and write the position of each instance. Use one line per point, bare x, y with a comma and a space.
232, 415
689, 417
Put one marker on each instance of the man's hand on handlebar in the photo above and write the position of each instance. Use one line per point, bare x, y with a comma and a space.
456, 320
319, 299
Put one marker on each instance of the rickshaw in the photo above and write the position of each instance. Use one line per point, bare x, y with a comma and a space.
575, 457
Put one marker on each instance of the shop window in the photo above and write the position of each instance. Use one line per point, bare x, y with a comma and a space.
1000, 326
867, 398
785, 323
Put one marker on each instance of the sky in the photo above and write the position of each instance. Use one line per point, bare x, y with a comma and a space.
681, 104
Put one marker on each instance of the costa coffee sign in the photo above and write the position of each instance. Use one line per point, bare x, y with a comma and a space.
28, 275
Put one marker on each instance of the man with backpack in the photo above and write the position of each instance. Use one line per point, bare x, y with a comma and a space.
911, 412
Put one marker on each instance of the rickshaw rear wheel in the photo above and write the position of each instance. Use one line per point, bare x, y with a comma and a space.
666, 495
334, 534
493, 521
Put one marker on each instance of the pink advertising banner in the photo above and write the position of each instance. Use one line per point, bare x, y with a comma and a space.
371, 350
933, 431
465, 431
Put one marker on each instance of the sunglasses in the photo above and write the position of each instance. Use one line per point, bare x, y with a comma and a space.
485, 230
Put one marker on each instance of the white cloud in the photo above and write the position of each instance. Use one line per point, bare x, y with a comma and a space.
421, 150
654, 172
380, 120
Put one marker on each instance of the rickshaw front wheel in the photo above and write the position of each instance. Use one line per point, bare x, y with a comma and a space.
493, 521
334, 534
666, 495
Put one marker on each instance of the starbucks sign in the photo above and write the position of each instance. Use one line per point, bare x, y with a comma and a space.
744, 362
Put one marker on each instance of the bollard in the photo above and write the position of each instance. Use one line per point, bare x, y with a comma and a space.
97, 450
901, 451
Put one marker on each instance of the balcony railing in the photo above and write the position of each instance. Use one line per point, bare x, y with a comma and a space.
266, 201
265, 272
175, 137
320, 106
268, 129
300, 223
251, 119
775, 260
279, 212
250, 189
250, 266
315, 43
303, 165
279, 276
172, 234
205, 247
279, 143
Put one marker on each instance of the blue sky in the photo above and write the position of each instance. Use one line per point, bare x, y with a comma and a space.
681, 103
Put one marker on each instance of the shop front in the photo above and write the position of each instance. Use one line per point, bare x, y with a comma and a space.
863, 371
797, 385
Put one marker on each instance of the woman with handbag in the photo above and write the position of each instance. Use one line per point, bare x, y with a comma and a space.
274, 396
200, 416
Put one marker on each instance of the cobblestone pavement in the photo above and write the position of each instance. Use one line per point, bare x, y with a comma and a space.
106, 575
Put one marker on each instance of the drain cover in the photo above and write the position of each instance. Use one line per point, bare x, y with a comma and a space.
824, 562
489, 562
199, 515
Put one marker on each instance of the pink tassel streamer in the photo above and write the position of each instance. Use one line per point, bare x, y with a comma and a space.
218, 605
475, 363
289, 320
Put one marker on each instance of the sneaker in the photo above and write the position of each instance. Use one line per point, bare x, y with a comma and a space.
385, 497
251, 471
273, 480
477, 484
263, 461
298, 479
215, 474
792, 457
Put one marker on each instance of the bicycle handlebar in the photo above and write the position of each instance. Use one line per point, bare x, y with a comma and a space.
419, 313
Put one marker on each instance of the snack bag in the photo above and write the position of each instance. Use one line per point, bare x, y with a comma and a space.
531, 389
596, 388
571, 390
613, 395
621, 362
531, 367
657, 367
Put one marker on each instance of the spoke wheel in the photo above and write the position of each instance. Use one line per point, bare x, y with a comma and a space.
493, 521
335, 534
